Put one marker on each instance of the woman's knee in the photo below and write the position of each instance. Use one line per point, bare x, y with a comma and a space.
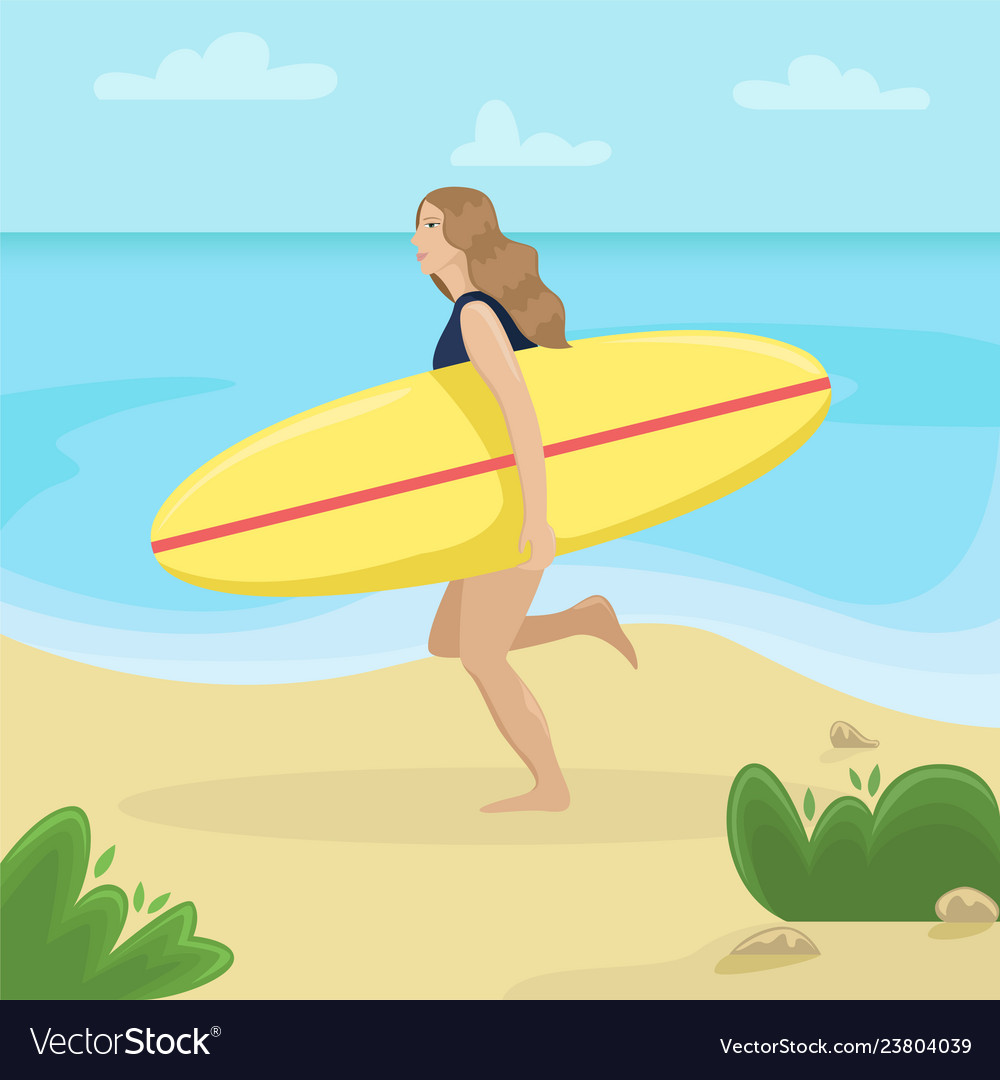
482, 664
442, 644
443, 639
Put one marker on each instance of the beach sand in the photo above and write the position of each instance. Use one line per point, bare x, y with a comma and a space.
329, 832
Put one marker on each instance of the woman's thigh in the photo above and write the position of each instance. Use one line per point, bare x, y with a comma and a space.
493, 609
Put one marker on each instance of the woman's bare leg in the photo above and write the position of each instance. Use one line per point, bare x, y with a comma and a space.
593, 616
493, 608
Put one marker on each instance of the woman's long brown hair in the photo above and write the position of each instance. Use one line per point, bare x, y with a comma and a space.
498, 266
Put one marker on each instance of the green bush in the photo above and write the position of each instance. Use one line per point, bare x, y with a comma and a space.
57, 944
935, 828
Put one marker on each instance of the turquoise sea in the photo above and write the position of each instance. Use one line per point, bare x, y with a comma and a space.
868, 561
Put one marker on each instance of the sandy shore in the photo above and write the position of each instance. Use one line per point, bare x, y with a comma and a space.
329, 832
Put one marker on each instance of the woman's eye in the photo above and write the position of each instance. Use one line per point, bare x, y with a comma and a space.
431, 224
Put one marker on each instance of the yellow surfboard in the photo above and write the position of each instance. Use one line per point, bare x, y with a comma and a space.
414, 481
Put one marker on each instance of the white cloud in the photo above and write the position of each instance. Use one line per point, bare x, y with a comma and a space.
234, 68
816, 83
497, 143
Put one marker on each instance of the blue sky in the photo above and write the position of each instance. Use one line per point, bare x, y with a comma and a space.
701, 116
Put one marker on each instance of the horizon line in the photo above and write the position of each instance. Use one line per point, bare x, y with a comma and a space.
512, 232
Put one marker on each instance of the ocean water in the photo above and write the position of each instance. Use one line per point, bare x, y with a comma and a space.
867, 561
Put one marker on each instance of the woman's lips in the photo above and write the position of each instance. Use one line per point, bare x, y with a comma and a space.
421, 255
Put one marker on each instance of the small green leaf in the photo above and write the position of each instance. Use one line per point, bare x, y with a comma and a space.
139, 897
158, 903
874, 780
855, 779
809, 804
104, 861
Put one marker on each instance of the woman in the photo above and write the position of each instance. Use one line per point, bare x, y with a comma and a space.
501, 305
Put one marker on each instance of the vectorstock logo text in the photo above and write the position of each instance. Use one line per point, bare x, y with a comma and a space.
136, 1041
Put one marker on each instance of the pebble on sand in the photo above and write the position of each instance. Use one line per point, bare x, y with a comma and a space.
778, 941
967, 906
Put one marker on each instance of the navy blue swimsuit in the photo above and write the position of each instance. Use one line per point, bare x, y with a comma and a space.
451, 348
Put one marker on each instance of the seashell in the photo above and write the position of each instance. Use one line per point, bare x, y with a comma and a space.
846, 736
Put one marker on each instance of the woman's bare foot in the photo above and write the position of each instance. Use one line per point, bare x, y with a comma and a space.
602, 622
552, 797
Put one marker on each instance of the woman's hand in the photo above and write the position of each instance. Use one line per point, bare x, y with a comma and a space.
543, 545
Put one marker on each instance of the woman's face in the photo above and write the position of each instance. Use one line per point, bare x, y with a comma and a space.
433, 251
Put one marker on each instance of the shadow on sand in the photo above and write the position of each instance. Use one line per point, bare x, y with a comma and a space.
441, 806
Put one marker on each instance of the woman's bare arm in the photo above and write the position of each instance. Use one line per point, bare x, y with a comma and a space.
494, 360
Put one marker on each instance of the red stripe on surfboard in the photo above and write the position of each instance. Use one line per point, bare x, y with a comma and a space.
476, 468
